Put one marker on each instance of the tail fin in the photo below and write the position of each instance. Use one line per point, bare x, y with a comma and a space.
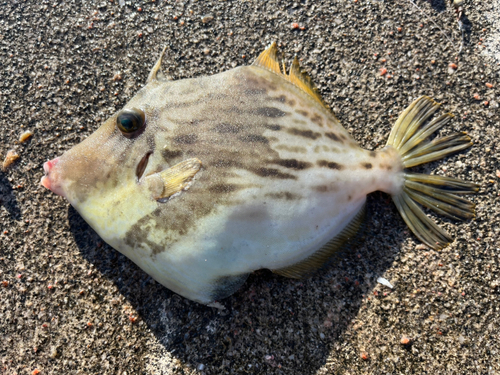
437, 193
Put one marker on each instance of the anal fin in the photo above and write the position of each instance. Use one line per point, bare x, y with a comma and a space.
327, 253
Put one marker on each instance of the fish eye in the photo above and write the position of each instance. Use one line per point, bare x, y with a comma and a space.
130, 120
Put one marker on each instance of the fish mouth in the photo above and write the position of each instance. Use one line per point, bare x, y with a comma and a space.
50, 179
143, 163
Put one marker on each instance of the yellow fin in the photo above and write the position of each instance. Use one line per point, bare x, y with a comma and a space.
331, 251
173, 180
269, 60
303, 81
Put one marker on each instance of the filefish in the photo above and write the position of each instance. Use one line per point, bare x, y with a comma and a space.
202, 181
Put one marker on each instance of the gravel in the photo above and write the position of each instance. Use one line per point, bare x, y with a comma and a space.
69, 304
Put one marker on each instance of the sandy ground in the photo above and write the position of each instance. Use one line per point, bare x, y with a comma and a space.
69, 304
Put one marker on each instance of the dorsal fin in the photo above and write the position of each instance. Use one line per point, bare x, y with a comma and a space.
269, 60
156, 74
303, 81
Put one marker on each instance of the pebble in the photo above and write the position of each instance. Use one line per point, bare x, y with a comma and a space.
25, 136
10, 158
207, 18
385, 282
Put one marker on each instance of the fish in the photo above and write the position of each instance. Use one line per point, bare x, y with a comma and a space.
201, 182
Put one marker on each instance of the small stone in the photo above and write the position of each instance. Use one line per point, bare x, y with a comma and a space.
385, 282
54, 353
207, 18
25, 136
405, 340
10, 158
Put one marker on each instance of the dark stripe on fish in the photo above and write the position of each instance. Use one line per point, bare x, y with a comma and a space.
292, 163
271, 172
334, 136
254, 138
271, 112
304, 133
273, 127
297, 149
330, 164
187, 139
170, 154
302, 112
284, 195
318, 120
225, 188
225, 128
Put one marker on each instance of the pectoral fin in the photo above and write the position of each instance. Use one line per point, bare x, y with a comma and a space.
175, 179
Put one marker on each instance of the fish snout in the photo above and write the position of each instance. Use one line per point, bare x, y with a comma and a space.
51, 179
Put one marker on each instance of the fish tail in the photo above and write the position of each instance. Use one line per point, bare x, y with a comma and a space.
409, 137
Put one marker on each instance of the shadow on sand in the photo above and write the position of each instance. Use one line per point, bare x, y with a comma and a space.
272, 324
8, 199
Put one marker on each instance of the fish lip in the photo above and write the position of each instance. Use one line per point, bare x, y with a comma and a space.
47, 181
48, 165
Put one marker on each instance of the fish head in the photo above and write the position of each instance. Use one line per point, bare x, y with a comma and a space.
115, 155
104, 177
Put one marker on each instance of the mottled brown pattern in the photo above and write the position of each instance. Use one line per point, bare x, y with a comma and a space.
334, 136
225, 188
330, 164
225, 121
169, 154
367, 165
285, 100
296, 149
271, 112
227, 128
317, 119
273, 127
292, 163
304, 133
273, 173
186, 139
302, 112
284, 195
254, 138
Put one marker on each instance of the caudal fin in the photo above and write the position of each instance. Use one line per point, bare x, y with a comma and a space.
410, 137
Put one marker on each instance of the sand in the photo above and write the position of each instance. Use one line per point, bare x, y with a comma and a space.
69, 304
